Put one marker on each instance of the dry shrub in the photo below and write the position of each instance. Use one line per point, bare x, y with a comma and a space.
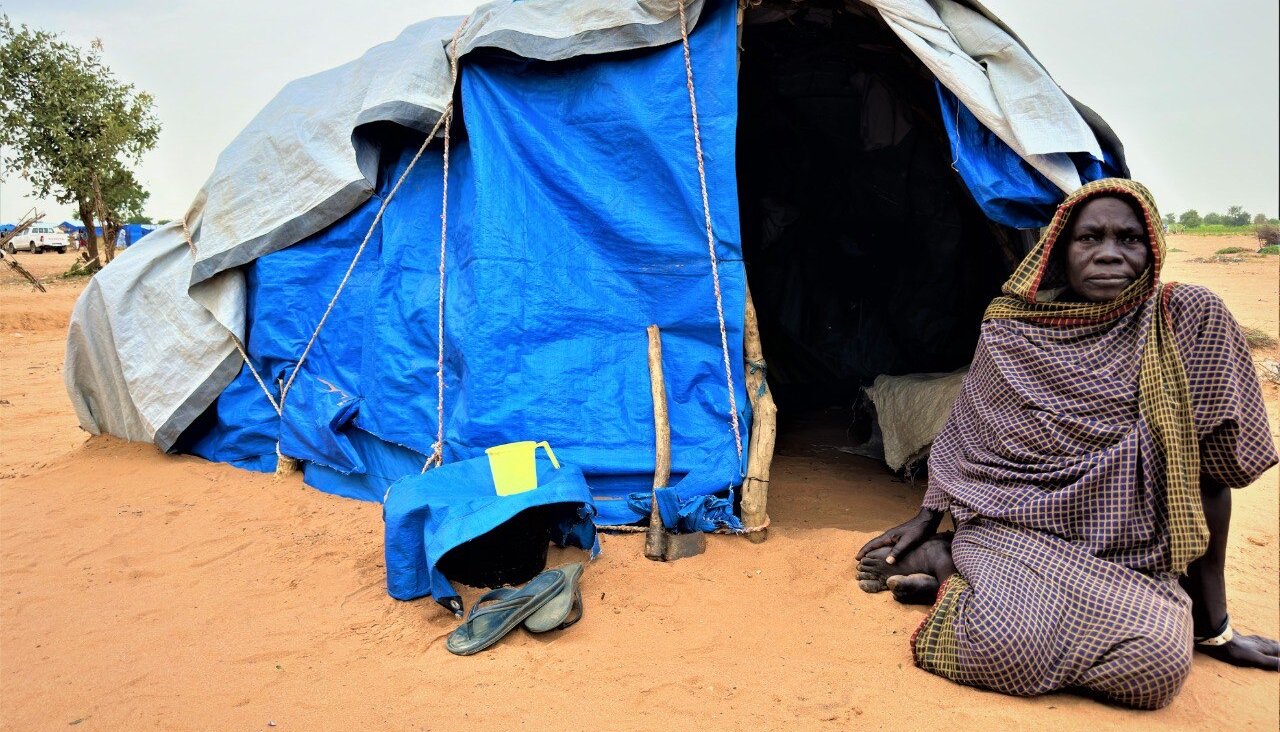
1259, 338
1268, 234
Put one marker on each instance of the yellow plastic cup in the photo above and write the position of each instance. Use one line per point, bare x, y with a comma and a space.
514, 466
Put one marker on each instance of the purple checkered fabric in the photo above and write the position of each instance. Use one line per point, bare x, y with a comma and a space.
1056, 482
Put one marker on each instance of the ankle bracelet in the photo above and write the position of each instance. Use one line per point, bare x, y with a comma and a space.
1221, 638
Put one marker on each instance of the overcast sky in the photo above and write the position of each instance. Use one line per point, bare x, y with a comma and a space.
1192, 87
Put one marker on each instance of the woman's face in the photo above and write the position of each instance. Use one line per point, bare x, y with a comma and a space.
1107, 249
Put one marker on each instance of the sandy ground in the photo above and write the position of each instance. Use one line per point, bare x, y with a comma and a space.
143, 591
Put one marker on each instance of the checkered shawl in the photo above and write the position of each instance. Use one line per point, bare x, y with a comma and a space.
1071, 463
1163, 396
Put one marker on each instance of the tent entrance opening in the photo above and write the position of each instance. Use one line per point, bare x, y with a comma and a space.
865, 254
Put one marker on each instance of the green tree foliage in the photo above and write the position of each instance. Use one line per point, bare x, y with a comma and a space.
1259, 219
1236, 216
1213, 219
138, 220
1170, 220
122, 200
71, 128
1190, 219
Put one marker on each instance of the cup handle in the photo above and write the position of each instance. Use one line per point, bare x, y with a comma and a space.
555, 463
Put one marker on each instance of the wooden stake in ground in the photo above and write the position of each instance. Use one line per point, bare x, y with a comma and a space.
655, 538
9, 236
285, 465
764, 431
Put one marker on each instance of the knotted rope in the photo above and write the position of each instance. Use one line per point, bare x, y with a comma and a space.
437, 448
444, 119
715, 274
633, 529
711, 241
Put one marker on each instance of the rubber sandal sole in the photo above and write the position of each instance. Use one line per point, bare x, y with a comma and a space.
489, 623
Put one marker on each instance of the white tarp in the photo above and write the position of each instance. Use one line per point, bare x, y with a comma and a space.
998, 80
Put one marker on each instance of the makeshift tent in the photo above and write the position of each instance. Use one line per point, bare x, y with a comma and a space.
128, 235
869, 168
132, 233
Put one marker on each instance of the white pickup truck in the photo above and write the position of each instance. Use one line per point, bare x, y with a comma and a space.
38, 239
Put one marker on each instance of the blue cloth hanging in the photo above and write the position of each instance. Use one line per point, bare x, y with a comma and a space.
429, 514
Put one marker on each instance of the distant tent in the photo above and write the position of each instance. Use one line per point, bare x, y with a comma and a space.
131, 233
127, 236
872, 171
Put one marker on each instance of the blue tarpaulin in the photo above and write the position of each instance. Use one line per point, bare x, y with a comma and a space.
575, 221
131, 233
1009, 190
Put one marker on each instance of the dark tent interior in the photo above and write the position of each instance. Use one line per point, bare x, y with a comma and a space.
865, 253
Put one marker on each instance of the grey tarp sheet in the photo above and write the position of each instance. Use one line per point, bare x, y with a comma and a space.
152, 339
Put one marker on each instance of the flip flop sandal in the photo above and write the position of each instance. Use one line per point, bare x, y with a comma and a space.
564, 609
498, 612
559, 612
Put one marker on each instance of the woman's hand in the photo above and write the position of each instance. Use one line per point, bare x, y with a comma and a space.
905, 536
1252, 651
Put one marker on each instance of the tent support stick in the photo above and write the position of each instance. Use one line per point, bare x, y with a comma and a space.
655, 542
764, 432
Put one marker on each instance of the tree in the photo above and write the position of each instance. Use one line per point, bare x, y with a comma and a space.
1213, 219
122, 199
1169, 220
72, 128
139, 219
1259, 219
1236, 216
1190, 219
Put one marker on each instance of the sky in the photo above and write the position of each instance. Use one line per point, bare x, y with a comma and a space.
1191, 87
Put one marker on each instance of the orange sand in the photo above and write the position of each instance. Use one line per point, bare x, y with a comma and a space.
141, 590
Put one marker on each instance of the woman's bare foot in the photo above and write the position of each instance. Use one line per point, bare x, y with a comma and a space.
932, 558
914, 589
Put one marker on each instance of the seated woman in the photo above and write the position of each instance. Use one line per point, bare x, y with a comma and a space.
1087, 465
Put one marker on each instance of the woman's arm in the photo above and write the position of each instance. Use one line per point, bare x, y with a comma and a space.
1206, 583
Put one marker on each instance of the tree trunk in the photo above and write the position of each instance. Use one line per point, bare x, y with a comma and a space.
110, 232
109, 228
85, 208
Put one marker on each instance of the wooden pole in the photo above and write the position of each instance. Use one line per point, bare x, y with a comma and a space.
655, 539
764, 431
7, 237
285, 465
